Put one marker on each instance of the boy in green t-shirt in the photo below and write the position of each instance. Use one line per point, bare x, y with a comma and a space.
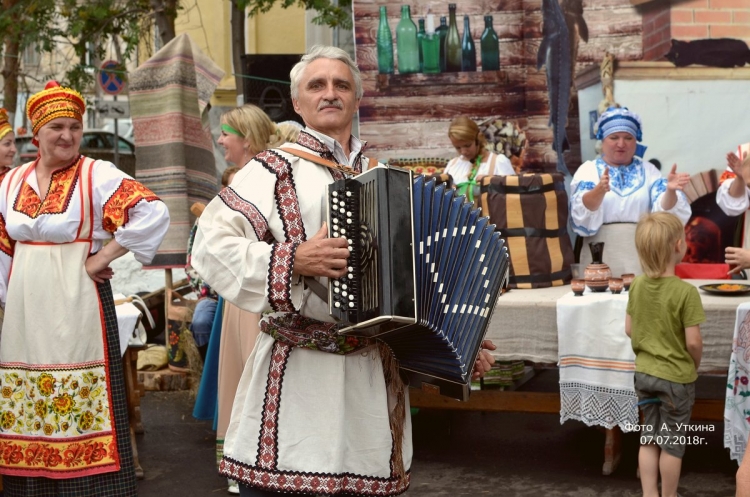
662, 321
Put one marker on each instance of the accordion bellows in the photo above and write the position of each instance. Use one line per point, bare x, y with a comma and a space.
425, 271
531, 213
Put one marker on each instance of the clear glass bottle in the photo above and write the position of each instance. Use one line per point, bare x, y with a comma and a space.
452, 42
431, 47
385, 44
406, 42
420, 37
490, 47
468, 50
442, 32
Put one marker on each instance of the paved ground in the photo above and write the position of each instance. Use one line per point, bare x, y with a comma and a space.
498, 454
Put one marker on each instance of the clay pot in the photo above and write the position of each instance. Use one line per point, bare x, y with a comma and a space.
615, 285
578, 286
597, 277
627, 279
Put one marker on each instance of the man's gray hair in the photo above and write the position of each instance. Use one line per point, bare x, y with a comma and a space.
325, 52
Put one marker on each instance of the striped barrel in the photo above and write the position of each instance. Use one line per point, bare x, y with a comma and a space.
531, 213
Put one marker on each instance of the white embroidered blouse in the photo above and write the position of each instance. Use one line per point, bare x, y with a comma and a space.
123, 209
635, 189
459, 168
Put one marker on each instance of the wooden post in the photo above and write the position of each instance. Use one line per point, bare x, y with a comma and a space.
167, 300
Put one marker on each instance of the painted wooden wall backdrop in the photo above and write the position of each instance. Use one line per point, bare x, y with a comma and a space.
408, 116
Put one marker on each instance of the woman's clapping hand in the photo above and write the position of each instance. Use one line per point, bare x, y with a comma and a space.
677, 181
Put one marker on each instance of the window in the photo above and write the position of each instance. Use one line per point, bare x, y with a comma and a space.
31, 55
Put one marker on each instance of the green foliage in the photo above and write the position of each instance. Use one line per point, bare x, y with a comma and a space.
328, 13
88, 26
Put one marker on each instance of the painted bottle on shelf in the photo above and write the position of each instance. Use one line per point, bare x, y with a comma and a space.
406, 43
490, 47
442, 32
431, 47
385, 44
452, 42
468, 50
420, 37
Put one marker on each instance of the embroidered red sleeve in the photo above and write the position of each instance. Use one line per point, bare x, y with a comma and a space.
725, 176
280, 276
6, 243
116, 210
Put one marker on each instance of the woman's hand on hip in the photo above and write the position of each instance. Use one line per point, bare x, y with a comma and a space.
677, 181
98, 268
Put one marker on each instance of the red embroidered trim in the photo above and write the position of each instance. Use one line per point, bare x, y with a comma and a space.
7, 245
285, 193
116, 211
259, 223
312, 483
725, 176
61, 187
309, 141
280, 275
265, 474
268, 448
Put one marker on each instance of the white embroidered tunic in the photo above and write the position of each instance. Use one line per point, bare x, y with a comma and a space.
459, 168
635, 189
303, 420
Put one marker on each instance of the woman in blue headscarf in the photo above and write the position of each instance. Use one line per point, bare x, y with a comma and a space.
611, 193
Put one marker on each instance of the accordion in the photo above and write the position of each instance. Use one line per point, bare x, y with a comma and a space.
424, 273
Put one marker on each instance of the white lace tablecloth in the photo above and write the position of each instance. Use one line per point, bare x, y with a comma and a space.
737, 407
596, 360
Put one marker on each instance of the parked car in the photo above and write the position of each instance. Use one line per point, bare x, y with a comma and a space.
96, 143
124, 128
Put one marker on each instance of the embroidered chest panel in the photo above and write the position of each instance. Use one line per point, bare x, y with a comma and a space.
61, 187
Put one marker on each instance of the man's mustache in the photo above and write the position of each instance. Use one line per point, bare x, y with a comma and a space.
330, 103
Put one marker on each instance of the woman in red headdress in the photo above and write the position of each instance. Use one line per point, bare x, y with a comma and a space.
63, 219
7, 144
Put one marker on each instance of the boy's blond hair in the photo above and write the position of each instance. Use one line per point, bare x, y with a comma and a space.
655, 239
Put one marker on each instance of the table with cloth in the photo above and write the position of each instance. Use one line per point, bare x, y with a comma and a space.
585, 337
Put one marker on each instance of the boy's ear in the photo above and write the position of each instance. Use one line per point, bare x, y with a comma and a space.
678, 245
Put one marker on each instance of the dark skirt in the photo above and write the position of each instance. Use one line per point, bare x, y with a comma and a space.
121, 483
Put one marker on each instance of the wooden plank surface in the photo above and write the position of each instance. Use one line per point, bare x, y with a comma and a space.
539, 402
409, 116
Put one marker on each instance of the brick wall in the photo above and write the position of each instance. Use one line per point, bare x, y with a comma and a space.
692, 20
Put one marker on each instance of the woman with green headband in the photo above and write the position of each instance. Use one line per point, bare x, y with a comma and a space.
245, 131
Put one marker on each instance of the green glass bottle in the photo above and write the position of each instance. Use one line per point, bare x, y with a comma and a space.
452, 42
489, 44
420, 37
385, 44
406, 43
431, 47
468, 50
442, 32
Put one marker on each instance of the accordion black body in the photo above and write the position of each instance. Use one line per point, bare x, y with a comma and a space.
424, 273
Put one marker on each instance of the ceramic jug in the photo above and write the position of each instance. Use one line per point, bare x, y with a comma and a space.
597, 273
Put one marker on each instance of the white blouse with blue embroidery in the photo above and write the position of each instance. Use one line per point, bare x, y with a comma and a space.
634, 190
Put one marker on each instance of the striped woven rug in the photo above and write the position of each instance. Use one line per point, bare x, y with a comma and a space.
169, 95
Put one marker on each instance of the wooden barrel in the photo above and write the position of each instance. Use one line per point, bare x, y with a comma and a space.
531, 213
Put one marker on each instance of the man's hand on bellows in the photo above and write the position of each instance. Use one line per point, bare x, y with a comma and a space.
484, 361
322, 256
